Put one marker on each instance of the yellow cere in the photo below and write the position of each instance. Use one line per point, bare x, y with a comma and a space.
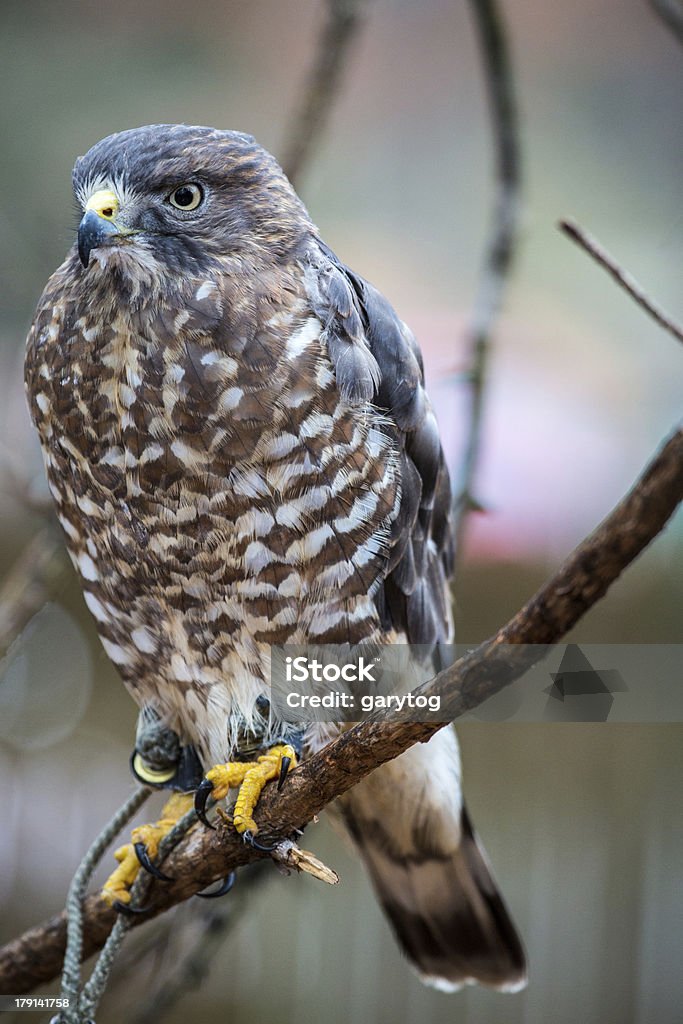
104, 203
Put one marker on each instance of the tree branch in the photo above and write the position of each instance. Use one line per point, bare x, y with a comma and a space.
344, 19
590, 245
501, 244
671, 13
205, 856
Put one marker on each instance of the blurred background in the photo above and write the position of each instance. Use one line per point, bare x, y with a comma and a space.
582, 822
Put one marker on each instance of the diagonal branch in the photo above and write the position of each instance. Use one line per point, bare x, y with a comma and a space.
621, 276
204, 856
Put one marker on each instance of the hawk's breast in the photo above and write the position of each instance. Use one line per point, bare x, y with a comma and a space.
217, 493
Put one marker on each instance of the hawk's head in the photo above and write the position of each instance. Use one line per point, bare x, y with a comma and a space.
183, 198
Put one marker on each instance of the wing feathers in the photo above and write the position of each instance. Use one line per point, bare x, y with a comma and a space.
381, 362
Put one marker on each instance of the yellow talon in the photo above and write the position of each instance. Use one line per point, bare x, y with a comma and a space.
251, 777
119, 883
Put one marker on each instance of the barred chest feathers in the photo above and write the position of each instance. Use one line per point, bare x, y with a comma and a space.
218, 491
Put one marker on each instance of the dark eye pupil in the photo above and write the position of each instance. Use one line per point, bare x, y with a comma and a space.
184, 196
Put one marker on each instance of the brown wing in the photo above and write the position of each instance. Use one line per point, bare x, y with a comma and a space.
378, 359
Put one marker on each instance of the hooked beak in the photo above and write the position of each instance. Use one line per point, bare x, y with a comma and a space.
98, 226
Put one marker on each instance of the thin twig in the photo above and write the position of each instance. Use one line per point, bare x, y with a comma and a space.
344, 19
501, 245
291, 857
206, 855
671, 13
29, 583
621, 276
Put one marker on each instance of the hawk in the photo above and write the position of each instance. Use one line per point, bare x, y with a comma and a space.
242, 454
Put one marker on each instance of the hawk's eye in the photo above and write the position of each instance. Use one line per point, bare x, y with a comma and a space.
186, 197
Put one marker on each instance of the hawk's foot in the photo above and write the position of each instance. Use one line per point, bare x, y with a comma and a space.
141, 850
250, 777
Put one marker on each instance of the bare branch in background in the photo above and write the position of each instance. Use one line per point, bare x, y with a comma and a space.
205, 855
501, 245
621, 276
344, 19
671, 12
29, 583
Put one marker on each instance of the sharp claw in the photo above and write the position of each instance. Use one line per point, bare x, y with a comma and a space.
143, 857
126, 910
201, 797
284, 768
226, 886
248, 837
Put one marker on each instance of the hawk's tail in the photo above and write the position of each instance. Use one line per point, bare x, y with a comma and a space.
430, 871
